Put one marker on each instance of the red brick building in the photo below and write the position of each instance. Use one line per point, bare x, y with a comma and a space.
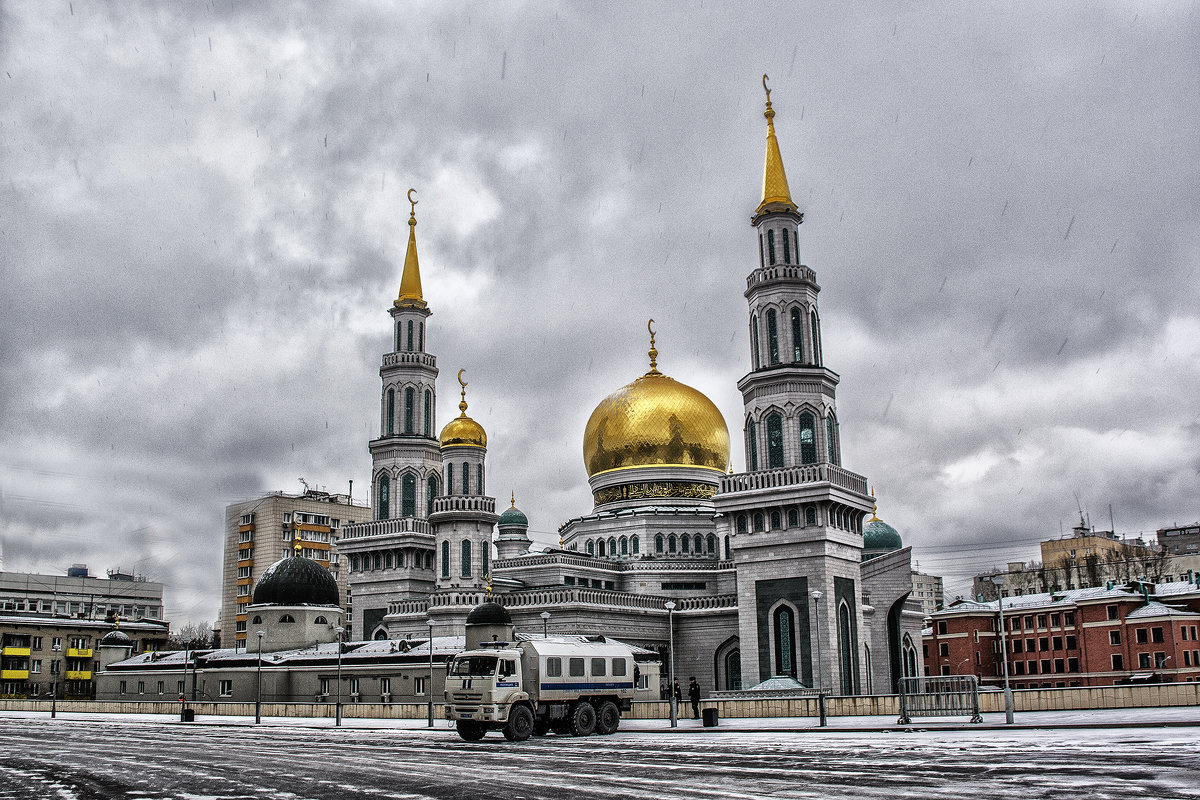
1140, 632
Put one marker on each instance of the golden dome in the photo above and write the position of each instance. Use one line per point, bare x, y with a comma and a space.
462, 431
655, 421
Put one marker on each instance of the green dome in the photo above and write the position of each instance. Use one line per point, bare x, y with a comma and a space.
513, 516
878, 535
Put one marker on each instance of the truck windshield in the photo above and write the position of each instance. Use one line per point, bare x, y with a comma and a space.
474, 665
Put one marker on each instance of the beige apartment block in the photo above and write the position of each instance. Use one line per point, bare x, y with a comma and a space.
261, 531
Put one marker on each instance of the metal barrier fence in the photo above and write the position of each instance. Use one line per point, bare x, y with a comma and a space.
939, 696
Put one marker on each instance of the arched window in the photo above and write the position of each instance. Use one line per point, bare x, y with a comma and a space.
797, 337
771, 247
753, 341
784, 630
287, 618
776, 520
772, 337
910, 657
741, 523
466, 472
387, 560
446, 559
774, 441
671, 543
431, 491
796, 241
409, 346
787, 247
396, 347
684, 545
635, 545
354, 566
816, 338
409, 410
658, 543
733, 669
485, 552
728, 548
256, 621
711, 544
421, 336
808, 438
408, 495
600, 548
385, 486
697, 544
376, 561
612, 546
846, 648
390, 423
624, 546
793, 518
466, 558
810, 515
752, 444
758, 522
761, 259
428, 418
831, 439
591, 547
479, 478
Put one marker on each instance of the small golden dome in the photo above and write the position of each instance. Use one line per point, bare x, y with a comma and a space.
462, 431
655, 421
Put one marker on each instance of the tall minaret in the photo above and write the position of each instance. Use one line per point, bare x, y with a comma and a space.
406, 469
788, 395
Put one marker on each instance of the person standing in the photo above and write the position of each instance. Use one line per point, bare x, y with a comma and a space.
694, 696
678, 693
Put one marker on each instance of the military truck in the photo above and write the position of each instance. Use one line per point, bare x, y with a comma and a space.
534, 687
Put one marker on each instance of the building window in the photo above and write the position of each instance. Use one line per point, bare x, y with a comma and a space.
624, 546
741, 523
466, 473
409, 411
409, 338
421, 336
808, 438
446, 559
797, 337
754, 341
1156, 634
758, 522
635, 544
752, 444
831, 439
431, 492
671, 543
658, 543
816, 339
1113, 612
408, 495
787, 248
810, 515
785, 642
793, 518
226, 688
774, 441
683, 543
479, 478
776, 520
419, 685
772, 338
1118, 661
1141, 635
449, 479
428, 417
466, 558
385, 486
391, 412
711, 543
771, 247
944, 649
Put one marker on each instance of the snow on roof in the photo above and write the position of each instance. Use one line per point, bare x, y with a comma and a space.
1156, 609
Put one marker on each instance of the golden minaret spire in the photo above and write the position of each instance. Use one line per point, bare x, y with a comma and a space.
653, 353
410, 281
776, 195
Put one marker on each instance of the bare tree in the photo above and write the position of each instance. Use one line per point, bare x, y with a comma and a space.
192, 636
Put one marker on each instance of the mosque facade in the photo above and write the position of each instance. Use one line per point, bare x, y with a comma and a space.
760, 573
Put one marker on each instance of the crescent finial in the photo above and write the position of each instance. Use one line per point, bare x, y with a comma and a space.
413, 202
653, 353
766, 88
461, 382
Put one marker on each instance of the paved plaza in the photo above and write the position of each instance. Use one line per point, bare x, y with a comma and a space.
119, 757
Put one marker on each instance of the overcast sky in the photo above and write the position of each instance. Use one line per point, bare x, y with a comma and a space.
202, 226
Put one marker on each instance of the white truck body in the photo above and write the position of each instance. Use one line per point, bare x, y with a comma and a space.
564, 684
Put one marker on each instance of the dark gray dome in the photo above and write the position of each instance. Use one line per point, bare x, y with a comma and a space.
116, 638
489, 613
296, 581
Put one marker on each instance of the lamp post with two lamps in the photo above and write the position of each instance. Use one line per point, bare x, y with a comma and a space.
429, 688
670, 607
998, 581
337, 714
258, 684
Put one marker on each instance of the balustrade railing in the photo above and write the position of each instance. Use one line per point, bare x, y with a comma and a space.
381, 527
391, 359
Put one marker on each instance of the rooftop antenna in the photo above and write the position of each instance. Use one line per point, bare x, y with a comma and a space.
305, 484
1112, 526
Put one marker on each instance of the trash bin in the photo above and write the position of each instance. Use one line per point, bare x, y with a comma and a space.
710, 717
189, 715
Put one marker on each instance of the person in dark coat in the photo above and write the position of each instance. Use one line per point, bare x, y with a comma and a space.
694, 696
677, 692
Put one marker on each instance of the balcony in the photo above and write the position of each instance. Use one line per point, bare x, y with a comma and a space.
79, 674
407, 357
15, 651
79, 652
794, 476
14, 674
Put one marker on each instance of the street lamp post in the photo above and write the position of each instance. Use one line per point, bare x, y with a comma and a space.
183, 702
998, 581
816, 596
54, 691
337, 712
670, 606
545, 624
429, 688
258, 684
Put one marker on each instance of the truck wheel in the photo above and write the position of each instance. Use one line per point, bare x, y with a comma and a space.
520, 724
470, 731
583, 719
607, 719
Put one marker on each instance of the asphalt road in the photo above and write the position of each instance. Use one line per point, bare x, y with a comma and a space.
122, 759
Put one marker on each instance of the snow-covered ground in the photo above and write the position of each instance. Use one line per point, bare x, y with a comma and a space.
150, 757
